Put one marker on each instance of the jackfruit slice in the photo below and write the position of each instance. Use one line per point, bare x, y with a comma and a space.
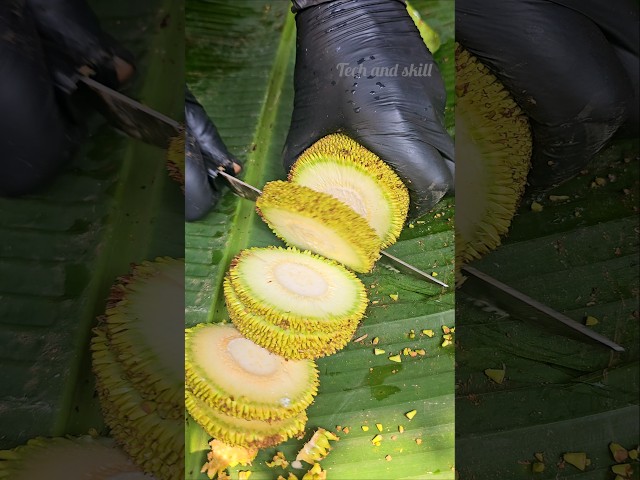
493, 153
297, 290
240, 432
341, 167
144, 315
234, 375
152, 437
286, 342
61, 458
318, 222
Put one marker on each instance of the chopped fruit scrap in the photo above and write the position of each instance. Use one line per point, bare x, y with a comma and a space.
278, 460
429, 333
378, 351
222, 456
577, 459
388, 458
495, 374
316, 448
365, 428
395, 358
619, 453
290, 477
624, 470
590, 321
411, 414
316, 473
537, 467
376, 440
536, 207
394, 297
400, 428
244, 474
379, 426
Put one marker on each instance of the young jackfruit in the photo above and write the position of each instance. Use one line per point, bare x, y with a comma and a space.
297, 290
143, 317
286, 342
69, 458
240, 432
234, 375
339, 166
493, 152
152, 437
318, 222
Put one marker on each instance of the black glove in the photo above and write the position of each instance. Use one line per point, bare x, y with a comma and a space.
37, 134
70, 32
340, 45
204, 152
570, 64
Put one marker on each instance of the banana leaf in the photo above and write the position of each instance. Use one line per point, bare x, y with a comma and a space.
62, 248
240, 63
579, 255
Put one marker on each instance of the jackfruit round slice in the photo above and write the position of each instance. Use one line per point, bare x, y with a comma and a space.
341, 167
493, 153
144, 317
297, 290
240, 432
68, 458
316, 221
152, 437
234, 375
286, 342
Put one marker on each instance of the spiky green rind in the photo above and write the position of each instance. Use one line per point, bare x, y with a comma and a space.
286, 342
54, 459
326, 315
491, 126
144, 313
151, 435
316, 221
282, 393
240, 432
336, 164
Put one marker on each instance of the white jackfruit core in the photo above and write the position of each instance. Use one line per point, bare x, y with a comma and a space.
252, 358
300, 279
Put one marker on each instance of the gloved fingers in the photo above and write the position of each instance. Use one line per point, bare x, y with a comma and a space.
70, 28
213, 150
200, 195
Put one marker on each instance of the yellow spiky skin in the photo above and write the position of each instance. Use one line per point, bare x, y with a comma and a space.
317, 448
52, 458
316, 221
286, 342
341, 167
152, 437
221, 456
493, 153
215, 373
143, 316
175, 158
297, 290
240, 432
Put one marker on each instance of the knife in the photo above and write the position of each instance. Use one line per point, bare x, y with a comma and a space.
481, 286
250, 192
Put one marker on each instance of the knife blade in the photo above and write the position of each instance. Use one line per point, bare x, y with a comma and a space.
252, 193
479, 285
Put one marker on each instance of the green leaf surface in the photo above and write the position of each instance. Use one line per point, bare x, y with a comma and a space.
63, 247
240, 65
579, 255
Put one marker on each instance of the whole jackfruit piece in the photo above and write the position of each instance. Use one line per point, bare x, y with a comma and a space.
143, 318
297, 290
493, 153
320, 223
236, 431
234, 375
342, 168
69, 458
152, 437
286, 342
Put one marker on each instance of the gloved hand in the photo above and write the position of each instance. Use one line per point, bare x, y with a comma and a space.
204, 152
37, 134
342, 48
571, 65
